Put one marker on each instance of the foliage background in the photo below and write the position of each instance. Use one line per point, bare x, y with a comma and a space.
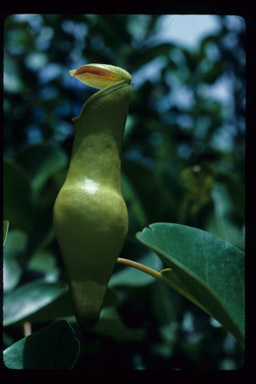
183, 162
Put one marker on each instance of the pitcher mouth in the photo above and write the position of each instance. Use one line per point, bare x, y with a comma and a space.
100, 93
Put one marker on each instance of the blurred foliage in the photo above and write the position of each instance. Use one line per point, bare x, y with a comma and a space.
183, 162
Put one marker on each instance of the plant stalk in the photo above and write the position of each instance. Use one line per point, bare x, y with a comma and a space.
27, 328
143, 268
159, 276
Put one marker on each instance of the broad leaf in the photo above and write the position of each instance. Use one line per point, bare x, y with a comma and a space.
205, 269
53, 347
29, 299
41, 301
61, 307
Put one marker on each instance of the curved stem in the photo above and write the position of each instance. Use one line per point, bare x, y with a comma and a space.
143, 268
160, 277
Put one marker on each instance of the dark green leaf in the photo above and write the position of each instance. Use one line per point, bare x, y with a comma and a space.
166, 304
148, 189
41, 161
205, 269
53, 347
59, 307
236, 193
28, 299
15, 246
137, 216
223, 223
112, 298
111, 325
17, 193
45, 262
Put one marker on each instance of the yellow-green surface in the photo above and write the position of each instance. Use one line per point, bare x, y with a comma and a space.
90, 214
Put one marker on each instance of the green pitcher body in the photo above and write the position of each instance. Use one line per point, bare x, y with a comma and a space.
90, 215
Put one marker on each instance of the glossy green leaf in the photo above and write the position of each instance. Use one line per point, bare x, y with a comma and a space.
53, 347
61, 307
28, 299
205, 269
5, 230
